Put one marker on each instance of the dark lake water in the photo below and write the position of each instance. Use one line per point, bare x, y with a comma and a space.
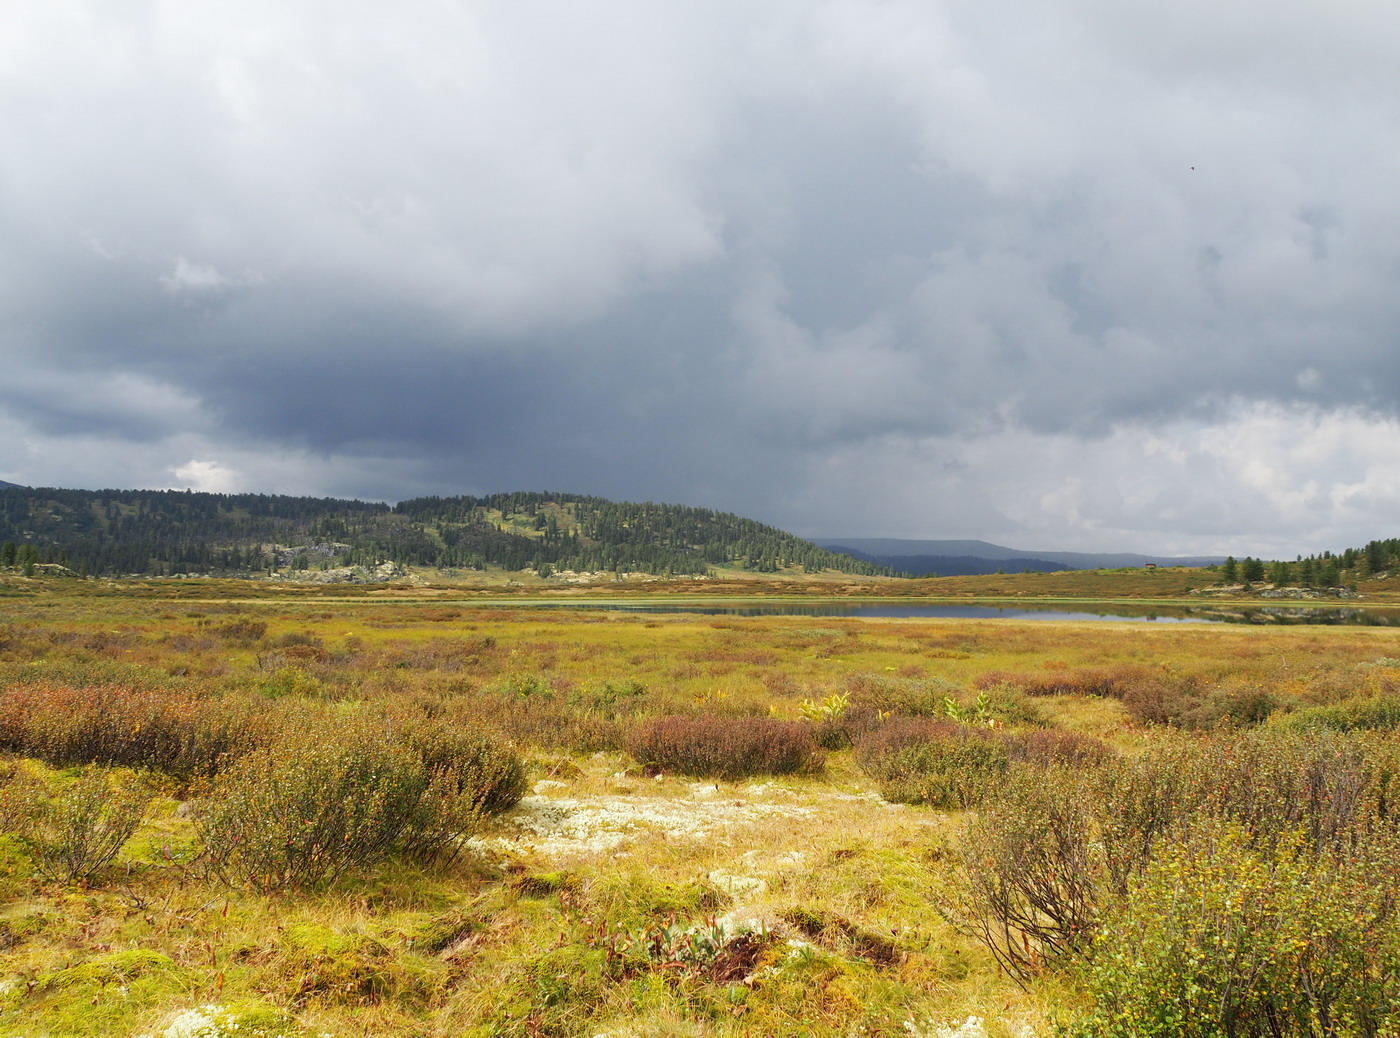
1258, 615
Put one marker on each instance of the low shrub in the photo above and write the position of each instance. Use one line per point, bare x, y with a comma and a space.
338, 791
1357, 714
714, 746
545, 723
1221, 938
1057, 746
608, 698
1163, 698
1052, 846
302, 811
1002, 704
838, 733
1087, 681
241, 630
73, 834
1032, 869
1231, 705
936, 762
913, 697
117, 724
481, 767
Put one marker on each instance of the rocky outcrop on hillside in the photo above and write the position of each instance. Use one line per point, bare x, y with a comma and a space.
1315, 594
384, 572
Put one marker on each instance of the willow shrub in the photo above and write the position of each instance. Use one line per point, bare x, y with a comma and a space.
74, 832
345, 794
1053, 846
484, 768
716, 746
1032, 869
1221, 937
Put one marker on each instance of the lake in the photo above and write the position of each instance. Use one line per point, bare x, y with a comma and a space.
1258, 615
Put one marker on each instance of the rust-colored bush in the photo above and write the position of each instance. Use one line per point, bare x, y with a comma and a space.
714, 746
1086, 681
169, 730
929, 761
1057, 746
1163, 698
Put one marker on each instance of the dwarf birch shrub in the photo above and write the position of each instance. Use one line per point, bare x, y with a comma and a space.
713, 746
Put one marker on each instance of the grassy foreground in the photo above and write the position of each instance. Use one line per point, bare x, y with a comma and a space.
623, 897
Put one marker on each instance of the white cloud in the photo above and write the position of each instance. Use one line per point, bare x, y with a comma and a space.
208, 476
203, 279
1269, 480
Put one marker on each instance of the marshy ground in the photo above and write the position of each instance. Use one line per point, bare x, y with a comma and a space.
619, 896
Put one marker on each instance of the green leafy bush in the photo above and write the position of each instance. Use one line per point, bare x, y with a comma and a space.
1357, 714
714, 746
1222, 938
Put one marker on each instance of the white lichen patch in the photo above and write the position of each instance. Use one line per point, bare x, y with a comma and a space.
555, 826
972, 1027
739, 886
215, 1021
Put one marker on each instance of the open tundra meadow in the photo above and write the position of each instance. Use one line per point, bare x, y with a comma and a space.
235, 809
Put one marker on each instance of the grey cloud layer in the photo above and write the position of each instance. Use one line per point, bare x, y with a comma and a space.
703, 253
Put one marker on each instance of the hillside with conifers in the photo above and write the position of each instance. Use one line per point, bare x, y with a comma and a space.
163, 533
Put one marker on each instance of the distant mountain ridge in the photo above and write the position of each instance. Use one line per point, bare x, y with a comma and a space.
953, 558
164, 532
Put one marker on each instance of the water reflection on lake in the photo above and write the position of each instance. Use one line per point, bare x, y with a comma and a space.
1270, 614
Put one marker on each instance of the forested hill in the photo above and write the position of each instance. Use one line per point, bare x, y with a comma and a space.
158, 532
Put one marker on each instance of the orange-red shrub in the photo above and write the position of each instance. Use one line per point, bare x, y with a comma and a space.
715, 746
160, 728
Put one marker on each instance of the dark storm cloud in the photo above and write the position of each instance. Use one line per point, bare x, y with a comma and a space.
855, 266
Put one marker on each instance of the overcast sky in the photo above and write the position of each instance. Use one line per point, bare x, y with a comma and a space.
1069, 274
